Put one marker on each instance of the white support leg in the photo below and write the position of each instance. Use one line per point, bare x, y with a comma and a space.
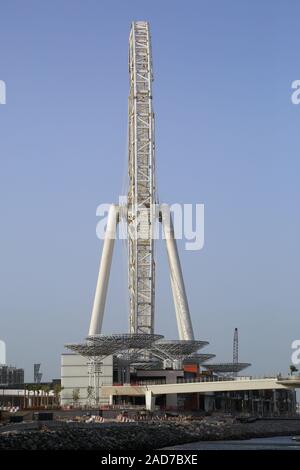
184, 323
104, 271
149, 401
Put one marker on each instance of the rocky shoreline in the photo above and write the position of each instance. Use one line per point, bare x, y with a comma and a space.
142, 435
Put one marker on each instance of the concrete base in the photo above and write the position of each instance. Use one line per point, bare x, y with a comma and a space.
150, 401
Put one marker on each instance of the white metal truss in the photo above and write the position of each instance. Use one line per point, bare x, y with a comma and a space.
176, 349
141, 192
142, 210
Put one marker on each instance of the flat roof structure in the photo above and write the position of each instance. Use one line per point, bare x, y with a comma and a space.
104, 345
227, 367
176, 349
198, 358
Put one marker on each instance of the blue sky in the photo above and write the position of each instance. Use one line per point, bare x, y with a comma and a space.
227, 136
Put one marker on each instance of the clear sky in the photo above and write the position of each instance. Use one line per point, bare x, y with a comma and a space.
227, 136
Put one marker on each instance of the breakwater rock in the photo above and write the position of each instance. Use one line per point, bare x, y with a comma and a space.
141, 435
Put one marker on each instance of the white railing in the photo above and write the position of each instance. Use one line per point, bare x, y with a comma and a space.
183, 380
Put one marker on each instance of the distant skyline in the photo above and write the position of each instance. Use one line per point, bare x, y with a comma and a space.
226, 136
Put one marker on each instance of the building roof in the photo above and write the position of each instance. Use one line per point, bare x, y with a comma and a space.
176, 349
227, 367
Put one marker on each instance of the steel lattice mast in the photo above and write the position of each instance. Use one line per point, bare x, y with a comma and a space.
141, 192
141, 212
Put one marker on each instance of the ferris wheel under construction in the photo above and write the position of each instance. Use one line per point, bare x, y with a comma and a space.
141, 347
142, 211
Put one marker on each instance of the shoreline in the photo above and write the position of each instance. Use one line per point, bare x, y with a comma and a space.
141, 435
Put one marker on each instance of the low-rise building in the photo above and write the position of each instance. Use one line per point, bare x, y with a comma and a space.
11, 376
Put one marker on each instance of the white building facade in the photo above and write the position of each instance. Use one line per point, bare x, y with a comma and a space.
75, 380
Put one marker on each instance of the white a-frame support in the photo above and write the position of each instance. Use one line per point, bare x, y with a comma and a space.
184, 324
104, 271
